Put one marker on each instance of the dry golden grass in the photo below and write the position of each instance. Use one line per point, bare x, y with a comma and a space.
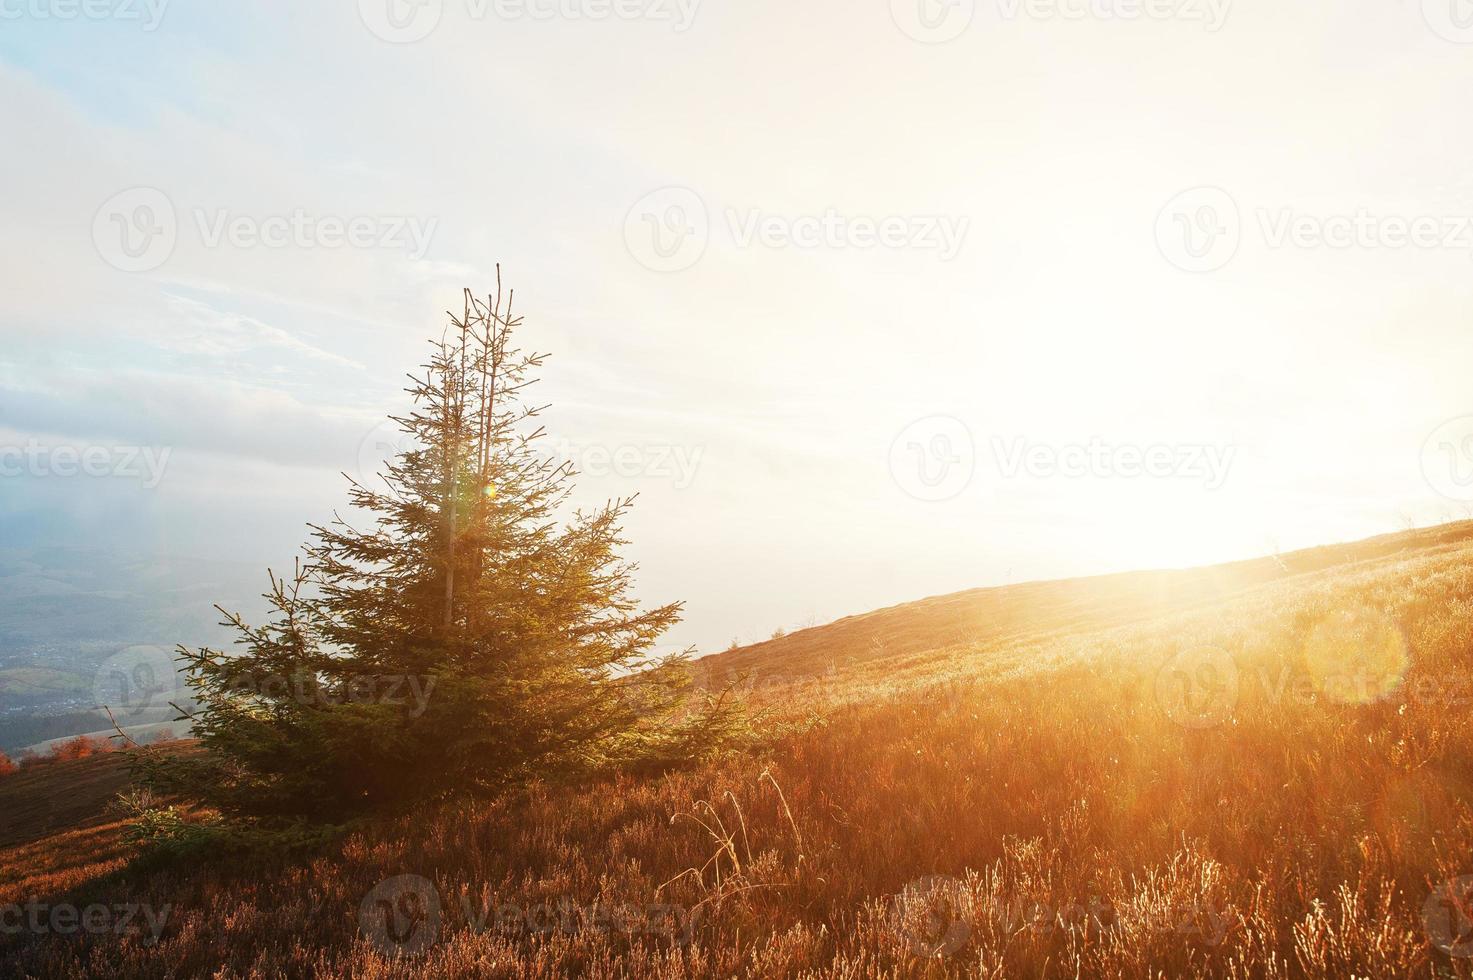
1261, 770
55, 796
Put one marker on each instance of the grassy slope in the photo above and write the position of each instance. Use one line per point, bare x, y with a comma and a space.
56, 831
1012, 612
1001, 773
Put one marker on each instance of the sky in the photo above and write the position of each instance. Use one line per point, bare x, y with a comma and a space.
867, 300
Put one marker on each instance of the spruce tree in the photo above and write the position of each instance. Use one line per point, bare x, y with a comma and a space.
461, 632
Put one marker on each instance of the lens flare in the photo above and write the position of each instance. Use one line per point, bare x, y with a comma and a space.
1356, 656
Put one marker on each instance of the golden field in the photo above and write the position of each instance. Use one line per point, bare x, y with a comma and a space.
1253, 770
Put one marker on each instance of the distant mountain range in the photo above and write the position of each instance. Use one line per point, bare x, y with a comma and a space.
66, 612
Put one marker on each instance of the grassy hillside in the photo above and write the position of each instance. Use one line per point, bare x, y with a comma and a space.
1063, 606
58, 831
1258, 769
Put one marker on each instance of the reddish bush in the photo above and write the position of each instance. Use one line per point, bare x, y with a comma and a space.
79, 748
6, 766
